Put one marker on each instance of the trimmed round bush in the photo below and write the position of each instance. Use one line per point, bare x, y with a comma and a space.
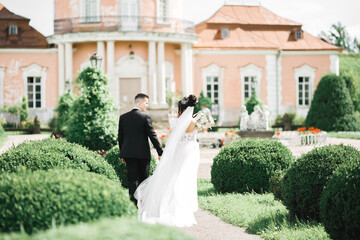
248, 165
334, 111
54, 153
112, 157
303, 183
340, 202
109, 229
37, 200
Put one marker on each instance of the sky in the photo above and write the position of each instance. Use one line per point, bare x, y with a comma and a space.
315, 15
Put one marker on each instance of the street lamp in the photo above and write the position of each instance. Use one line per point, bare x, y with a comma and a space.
95, 60
131, 53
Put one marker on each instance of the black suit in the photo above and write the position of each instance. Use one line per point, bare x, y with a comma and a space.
135, 127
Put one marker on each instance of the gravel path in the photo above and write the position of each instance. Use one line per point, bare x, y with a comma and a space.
14, 140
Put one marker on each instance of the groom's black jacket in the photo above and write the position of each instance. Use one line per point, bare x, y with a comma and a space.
134, 129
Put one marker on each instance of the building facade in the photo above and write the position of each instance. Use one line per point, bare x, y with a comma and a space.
147, 46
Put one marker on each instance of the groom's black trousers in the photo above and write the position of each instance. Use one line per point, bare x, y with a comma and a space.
137, 171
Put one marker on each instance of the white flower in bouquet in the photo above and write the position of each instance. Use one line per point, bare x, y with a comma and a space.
204, 121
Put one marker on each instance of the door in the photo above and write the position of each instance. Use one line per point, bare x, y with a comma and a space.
129, 87
129, 15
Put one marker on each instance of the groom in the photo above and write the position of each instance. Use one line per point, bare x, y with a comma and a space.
135, 127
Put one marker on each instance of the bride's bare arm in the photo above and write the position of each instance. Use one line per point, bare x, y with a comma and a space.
191, 126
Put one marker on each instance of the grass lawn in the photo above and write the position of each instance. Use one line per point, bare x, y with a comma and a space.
258, 213
343, 135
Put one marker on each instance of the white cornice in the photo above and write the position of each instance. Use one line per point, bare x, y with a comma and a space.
234, 52
122, 36
28, 50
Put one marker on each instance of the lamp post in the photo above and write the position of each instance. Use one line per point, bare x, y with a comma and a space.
131, 53
95, 60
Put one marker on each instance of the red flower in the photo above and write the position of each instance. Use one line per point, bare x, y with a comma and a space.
226, 133
232, 131
168, 128
231, 138
277, 133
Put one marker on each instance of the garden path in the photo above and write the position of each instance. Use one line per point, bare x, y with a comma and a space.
14, 140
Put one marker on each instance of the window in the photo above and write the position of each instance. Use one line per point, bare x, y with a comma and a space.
298, 34
34, 92
224, 33
212, 88
91, 12
249, 86
13, 30
304, 91
163, 11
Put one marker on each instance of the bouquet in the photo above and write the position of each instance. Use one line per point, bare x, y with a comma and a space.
204, 121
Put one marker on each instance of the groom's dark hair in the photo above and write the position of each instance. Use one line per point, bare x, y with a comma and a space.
140, 97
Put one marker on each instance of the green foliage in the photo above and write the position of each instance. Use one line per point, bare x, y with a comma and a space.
248, 165
339, 203
24, 112
203, 100
37, 200
107, 229
172, 98
331, 108
112, 157
303, 183
92, 120
339, 36
350, 71
251, 102
276, 184
258, 213
54, 153
63, 111
27, 124
2, 131
12, 108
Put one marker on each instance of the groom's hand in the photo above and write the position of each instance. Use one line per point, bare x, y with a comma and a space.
159, 158
123, 161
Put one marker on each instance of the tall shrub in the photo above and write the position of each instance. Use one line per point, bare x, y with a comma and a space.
331, 108
24, 112
63, 111
251, 102
203, 100
92, 120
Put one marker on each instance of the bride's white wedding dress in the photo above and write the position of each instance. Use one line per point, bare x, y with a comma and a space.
169, 196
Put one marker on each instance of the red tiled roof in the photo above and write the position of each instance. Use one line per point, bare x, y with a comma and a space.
254, 15
238, 38
6, 14
255, 27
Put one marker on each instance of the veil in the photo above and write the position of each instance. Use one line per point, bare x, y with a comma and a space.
156, 193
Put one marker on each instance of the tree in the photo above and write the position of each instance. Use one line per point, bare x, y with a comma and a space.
63, 111
339, 36
331, 108
251, 102
203, 100
92, 120
24, 111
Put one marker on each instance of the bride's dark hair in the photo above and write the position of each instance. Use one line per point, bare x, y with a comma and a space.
189, 101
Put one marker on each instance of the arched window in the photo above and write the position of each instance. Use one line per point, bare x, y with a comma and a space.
13, 30
224, 33
298, 34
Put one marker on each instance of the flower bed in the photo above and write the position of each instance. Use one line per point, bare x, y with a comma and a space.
302, 137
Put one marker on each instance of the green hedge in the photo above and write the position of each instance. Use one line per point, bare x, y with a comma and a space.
340, 202
248, 165
107, 229
303, 183
36, 200
54, 153
112, 157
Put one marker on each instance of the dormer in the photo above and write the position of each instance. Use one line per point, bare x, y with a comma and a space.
224, 33
13, 29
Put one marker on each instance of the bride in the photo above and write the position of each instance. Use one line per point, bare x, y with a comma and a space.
169, 196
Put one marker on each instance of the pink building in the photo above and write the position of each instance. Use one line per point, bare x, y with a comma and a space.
147, 47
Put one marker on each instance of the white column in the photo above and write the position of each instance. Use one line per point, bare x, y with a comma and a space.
184, 69
152, 74
69, 64
101, 53
61, 68
110, 61
161, 90
190, 70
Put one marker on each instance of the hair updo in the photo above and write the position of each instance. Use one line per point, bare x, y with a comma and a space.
189, 101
